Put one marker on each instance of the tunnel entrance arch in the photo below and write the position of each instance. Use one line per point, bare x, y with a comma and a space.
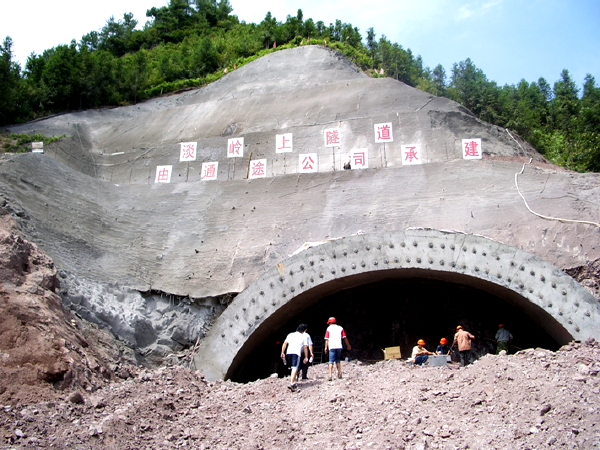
556, 302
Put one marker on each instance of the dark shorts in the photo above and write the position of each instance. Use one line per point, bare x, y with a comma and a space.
293, 360
335, 355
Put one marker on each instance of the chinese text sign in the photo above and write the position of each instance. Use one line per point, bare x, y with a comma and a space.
471, 148
235, 147
188, 151
283, 143
209, 171
308, 163
258, 169
163, 174
383, 132
411, 154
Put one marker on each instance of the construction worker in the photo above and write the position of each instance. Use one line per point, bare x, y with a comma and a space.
295, 344
333, 344
463, 339
419, 353
503, 337
443, 348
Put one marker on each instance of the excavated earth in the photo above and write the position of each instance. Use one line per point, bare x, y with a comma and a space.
64, 383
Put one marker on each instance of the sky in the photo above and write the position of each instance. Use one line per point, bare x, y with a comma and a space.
509, 40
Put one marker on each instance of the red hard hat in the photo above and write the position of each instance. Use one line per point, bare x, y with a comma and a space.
459, 328
331, 320
421, 342
500, 325
443, 341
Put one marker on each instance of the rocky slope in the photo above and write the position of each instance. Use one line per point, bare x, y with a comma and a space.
44, 348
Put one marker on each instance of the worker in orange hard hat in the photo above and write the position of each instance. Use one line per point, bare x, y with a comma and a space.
420, 353
334, 336
463, 339
443, 348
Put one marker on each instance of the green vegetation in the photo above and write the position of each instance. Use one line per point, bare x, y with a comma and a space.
191, 43
21, 143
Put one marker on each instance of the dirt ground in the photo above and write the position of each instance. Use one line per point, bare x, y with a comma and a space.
65, 384
531, 400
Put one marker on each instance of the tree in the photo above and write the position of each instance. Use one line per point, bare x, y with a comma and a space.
10, 80
565, 104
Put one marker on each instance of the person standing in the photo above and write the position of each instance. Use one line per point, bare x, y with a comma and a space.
305, 365
294, 344
334, 336
420, 354
503, 337
463, 339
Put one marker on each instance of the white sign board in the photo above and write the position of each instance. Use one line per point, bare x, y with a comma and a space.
188, 151
471, 149
332, 137
235, 148
258, 169
383, 132
308, 163
411, 154
209, 170
283, 143
359, 159
163, 174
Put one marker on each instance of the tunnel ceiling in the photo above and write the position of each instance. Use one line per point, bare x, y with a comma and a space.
563, 308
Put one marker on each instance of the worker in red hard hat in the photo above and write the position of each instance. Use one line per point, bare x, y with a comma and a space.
333, 344
443, 348
503, 337
463, 339
419, 353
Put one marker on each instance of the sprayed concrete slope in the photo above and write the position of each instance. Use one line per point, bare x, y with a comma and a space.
91, 203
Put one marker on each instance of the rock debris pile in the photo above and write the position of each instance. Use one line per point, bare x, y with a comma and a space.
534, 399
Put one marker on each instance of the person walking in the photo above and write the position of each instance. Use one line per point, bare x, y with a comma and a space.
503, 337
305, 365
463, 339
292, 349
334, 336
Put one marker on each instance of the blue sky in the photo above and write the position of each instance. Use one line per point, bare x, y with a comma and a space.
509, 40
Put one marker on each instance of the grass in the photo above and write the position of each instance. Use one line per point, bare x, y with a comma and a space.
21, 143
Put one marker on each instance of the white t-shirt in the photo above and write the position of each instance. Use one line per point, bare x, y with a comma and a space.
296, 342
335, 334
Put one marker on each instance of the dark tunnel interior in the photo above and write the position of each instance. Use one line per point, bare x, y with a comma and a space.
398, 312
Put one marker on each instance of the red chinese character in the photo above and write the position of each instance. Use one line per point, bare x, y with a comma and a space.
234, 147
283, 143
332, 137
209, 171
471, 149
383, 133
258, 168
188, 151
411, 154
307, 163
359, 159
163, 175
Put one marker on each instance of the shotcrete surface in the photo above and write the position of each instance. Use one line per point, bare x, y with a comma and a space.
91, 202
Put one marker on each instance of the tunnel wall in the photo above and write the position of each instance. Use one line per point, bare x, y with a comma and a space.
553, 299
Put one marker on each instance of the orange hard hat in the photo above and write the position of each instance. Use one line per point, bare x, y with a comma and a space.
443, 341
459, 328
331, 320
421, 342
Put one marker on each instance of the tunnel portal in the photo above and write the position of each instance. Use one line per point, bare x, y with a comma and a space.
393, 288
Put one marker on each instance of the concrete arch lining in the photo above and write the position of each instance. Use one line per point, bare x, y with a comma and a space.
557, 302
